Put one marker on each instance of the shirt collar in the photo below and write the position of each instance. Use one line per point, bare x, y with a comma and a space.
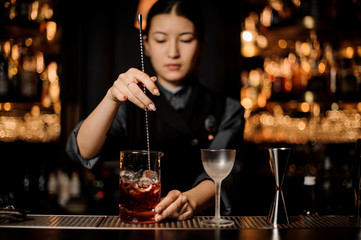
177, 97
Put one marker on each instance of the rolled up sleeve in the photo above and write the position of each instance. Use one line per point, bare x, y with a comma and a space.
73, 150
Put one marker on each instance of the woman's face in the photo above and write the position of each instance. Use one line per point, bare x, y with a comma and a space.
173, 48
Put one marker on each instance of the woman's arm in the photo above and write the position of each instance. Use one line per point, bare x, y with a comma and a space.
92, 133
182, 206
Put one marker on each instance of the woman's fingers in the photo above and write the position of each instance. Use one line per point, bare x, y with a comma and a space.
128, 86
141, 77
122, 93
174, 205
139, 95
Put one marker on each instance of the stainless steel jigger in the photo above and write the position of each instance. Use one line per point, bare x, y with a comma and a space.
278, 163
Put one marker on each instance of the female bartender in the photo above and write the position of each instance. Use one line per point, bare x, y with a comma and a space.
184, 116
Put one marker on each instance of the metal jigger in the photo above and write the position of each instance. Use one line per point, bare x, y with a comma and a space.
278, 163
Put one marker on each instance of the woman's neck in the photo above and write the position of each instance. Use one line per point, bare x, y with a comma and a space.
171, 85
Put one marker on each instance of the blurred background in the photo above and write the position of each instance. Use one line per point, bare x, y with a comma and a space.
295, 65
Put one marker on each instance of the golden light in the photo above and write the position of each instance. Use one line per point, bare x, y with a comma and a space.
249, 50
359, 50
334, 106
292, 58
15, 52
29, 64
45, 12
40, 64
266, 16
305, 107
261, 101
262, 41
247, 36
254, 77
359, 106
50, 30
301, 125
28, 42
305, 48
44, 76
34, 10
349, 52
276, 4
309, 22
143, 9
306, 66
7, 106
297, 3
282, 43
12, 10
244, 92
266, 91
321, 67
48, 12
7, 47
309, 98
52, 72
288, 85
35, 111
316, 110
54, 88
247, 103
250, 21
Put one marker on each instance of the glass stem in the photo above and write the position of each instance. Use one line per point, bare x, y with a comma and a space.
218, 199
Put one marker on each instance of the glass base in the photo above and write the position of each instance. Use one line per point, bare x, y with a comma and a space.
217, 222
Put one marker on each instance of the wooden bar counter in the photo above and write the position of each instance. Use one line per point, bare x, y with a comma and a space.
77, 227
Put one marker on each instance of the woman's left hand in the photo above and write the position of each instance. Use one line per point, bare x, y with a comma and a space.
175, 205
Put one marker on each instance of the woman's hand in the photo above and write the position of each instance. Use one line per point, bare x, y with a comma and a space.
127, 87
175, 205
182, 206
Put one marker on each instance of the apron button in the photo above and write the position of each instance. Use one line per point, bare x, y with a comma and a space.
194, 142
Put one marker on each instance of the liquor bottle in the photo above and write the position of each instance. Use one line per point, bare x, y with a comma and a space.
27, 198
29, 80
53, 190
75, 184
309, 196
64, 188
309, 191
328, 186
4, 80
347, 80
13, 71
41, 198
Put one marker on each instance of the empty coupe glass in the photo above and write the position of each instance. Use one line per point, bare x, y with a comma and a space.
218, 163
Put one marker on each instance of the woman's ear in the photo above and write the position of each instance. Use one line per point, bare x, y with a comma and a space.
146, 45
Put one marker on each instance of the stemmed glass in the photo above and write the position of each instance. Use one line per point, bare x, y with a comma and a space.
218, 163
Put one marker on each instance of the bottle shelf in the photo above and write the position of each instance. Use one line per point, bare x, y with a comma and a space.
38, 124
30, 106
282, 125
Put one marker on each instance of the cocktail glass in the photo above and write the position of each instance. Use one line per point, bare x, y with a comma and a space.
218, 163
139, 185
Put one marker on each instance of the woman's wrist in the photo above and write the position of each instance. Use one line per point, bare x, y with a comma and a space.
109, 96
201, 197
192, 203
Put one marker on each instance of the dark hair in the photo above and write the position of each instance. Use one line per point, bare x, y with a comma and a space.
185, 8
